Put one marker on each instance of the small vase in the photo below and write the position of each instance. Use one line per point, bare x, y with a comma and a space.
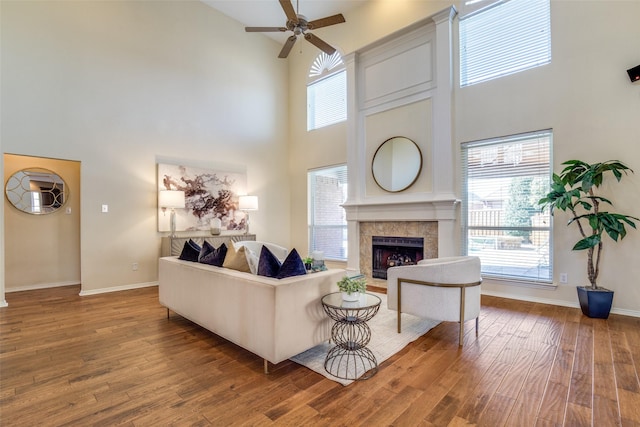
215, 225
355, 296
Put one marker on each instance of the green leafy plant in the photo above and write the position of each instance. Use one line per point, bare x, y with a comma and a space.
354, 284
307, 260
574, 191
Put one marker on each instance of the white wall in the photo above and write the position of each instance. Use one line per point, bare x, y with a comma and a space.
117, 85
3, 302
584, 95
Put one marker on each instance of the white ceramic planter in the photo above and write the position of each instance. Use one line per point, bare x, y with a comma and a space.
355, 296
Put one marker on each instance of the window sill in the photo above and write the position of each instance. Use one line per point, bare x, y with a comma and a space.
520, 283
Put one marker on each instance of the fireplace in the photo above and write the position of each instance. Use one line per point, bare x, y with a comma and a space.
394, 251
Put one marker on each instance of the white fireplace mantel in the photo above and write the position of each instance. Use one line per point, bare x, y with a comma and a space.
403, 85
444, 212
435, 210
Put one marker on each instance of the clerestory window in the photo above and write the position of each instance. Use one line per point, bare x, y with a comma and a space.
503, 37
326, 91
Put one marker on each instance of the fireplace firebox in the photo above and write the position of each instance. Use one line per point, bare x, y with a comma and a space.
394, 251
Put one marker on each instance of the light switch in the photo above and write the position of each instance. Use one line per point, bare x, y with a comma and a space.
68, 211
105, 208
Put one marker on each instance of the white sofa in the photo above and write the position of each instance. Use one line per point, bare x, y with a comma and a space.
272, 318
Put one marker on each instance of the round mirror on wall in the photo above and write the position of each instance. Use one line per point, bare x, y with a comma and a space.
36, 191
396, 164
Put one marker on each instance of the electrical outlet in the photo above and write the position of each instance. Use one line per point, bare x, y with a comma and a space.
134, 266
105, 208
564, 278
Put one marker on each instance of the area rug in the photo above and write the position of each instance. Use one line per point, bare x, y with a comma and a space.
385, 339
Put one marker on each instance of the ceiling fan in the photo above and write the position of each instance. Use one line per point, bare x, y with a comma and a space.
299, 25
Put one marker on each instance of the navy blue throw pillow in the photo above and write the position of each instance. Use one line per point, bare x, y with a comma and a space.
292, 266
205, 250
213, 256
268, 263
190, 251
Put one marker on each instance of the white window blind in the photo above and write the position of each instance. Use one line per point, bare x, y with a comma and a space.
327, 221
503, 179
327, 101
505, 38
326, 91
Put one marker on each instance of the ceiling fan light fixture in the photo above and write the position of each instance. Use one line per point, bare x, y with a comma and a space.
298, 24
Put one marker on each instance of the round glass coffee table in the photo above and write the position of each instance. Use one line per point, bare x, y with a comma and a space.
350, 358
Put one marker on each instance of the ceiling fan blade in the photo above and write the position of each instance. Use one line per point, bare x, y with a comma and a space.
264, 29
325, 22
319, 43
288, 10
288, 45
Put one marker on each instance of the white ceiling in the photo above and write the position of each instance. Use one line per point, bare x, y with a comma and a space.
269, 13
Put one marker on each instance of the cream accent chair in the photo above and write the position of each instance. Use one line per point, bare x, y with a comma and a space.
446, 289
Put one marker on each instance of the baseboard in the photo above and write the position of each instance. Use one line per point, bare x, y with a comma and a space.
118, 288
625, 312
40, 286
3, 303
622, 311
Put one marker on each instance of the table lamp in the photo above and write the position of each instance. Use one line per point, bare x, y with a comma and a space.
171, 199
247, 204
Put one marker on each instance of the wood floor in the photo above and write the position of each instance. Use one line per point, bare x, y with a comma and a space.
115, 359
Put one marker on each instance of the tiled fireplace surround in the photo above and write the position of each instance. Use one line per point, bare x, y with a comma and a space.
435, 222
428, 230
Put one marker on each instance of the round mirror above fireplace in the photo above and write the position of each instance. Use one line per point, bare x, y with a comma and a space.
36, 191
396, 164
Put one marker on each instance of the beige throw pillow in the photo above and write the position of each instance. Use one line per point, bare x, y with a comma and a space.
236, 259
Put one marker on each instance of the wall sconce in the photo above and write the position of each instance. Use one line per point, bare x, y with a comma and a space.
247, 204
171, 199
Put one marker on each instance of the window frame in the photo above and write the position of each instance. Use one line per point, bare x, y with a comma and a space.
545, 250
312, 226
494, 60
323, 69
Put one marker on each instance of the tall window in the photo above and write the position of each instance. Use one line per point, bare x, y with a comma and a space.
503, 179
327, 221
506, 37
326, 91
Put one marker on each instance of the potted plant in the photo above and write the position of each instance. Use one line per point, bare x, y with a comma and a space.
351, 287
574, 190
308, 262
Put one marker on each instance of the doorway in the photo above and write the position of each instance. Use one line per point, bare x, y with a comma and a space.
42, 245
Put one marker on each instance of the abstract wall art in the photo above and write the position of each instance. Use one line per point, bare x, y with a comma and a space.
208, 194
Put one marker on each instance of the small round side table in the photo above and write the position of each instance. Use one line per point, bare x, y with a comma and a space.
351, 334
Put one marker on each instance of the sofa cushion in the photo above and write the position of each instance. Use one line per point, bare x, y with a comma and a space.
252, 259
212, 256
292, 266
270, 266
190, 251
256, 246
236, 259
205, 250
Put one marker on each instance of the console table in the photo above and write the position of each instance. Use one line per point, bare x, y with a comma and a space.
172, 246
351, 334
